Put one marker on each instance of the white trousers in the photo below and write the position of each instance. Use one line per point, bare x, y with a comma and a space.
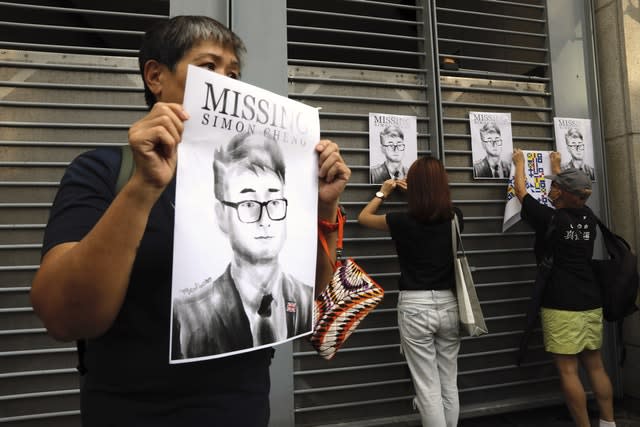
430, 340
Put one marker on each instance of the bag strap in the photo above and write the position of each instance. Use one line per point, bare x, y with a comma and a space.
127, 166
81, 347
323, 240
547, 256
607, 235
603, 227
456, 236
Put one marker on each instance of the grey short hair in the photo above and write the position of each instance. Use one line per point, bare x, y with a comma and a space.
168, 41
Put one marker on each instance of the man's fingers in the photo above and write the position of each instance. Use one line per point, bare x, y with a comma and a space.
328, 161
331, 165
171, 116
335, 170
163, 125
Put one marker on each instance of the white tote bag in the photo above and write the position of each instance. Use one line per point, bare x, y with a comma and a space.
471, 317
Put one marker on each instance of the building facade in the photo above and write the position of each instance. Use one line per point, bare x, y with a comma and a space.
69, 83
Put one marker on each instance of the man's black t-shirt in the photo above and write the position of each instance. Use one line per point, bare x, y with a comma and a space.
129, 380
424, 252
572, 285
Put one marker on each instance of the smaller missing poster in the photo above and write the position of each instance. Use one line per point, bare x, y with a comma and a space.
245, 220
536, 165
393, 146
491, 144
574, 142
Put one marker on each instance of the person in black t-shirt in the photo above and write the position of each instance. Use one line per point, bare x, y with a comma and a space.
571, 308
427, 307
105, 275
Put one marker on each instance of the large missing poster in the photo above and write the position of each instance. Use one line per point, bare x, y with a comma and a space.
574, 142
393, 146
537, 164
245, 219
491, 144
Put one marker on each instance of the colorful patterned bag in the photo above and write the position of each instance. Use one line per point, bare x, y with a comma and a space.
348, 298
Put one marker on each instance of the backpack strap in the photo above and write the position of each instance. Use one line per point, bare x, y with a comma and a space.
81, 347
127, 167
547, 256
608, 235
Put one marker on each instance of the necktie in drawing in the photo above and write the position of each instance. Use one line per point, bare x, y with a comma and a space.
496, 171
265, 329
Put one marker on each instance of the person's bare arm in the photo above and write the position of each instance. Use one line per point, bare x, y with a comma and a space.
519, 181
333, 174
80, 286
368, 216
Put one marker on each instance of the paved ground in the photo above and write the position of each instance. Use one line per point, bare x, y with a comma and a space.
627, 412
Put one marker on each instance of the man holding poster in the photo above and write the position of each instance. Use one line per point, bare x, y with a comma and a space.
105, 277
566, 294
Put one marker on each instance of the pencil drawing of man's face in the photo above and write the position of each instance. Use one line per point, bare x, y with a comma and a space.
575, 145
392, 146
254, 213
492, 142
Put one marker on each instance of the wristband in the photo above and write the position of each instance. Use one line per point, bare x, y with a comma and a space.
327, 227
330, 227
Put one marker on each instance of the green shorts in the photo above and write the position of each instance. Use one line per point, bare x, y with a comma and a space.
570, 332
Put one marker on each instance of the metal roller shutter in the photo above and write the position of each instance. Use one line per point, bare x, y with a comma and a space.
74, 26
500, 48
55, 104
356, 57
352, 58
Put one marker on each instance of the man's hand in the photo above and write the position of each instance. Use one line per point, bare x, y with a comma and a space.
154, 140
519, 180
518, 158
333, 175
556, 168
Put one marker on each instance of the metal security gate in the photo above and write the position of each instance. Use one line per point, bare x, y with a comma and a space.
436, 60
58, 98
494, 58
68, 87
352, 58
